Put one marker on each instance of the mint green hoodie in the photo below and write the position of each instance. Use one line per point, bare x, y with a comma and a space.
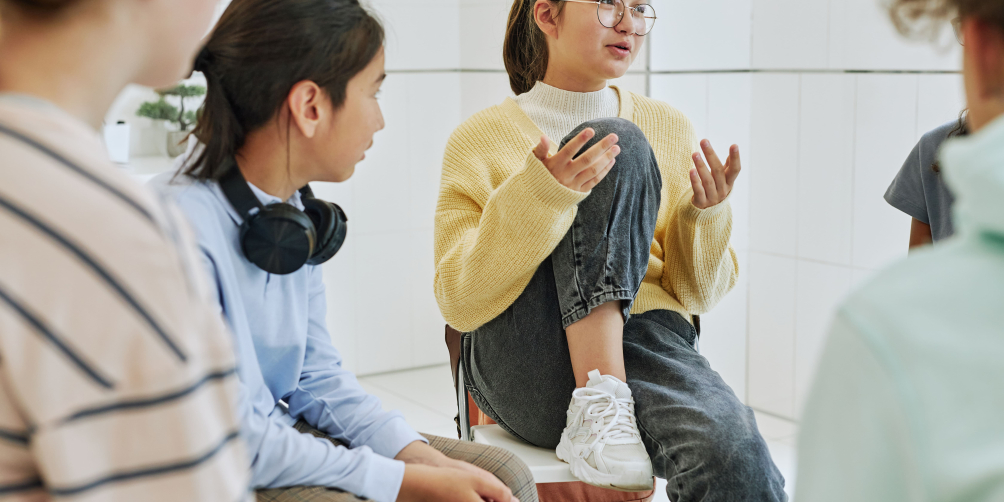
908, 402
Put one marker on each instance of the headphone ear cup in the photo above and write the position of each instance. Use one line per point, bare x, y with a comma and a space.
279, 239
331, 223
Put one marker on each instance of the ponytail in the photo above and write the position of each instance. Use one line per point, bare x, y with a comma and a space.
217, 127
524, 51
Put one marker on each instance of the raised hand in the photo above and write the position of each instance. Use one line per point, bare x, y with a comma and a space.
711, 186
587, 170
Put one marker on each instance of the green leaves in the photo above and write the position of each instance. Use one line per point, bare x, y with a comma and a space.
158, 110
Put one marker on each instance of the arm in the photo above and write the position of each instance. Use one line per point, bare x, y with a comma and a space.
858, 439
281, 456
920, 233
485, 256
330, 398
701, 266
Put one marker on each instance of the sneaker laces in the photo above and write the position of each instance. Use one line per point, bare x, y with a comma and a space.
600, 405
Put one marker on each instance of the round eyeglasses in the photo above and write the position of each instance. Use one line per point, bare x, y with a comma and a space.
611, 14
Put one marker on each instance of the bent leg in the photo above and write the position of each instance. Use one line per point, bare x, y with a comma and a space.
519, 366
600, 264
701, 438
502, 463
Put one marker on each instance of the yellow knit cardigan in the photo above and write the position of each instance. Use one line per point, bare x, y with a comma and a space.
501, 213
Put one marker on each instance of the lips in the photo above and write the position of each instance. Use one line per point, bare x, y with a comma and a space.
624, 46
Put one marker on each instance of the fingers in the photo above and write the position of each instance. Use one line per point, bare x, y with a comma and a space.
700, 199
587, 186
717, 168
733, 168
597, 151
542, 148
572, 147
706, 178
592, 169
493, 489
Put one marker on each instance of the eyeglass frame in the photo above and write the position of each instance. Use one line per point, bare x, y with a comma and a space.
626, 8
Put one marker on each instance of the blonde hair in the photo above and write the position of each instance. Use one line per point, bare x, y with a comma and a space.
926, 17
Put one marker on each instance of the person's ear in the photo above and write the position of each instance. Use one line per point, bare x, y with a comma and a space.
545, 13
305, 106
985, 48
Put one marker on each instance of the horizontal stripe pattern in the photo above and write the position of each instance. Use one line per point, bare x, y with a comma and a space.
77, 169
101, 271
118, 380
152, 401
151, 471
43, 330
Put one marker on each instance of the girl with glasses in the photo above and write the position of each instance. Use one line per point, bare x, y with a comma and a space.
578, 236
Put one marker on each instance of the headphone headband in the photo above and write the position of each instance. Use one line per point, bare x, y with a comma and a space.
236, 188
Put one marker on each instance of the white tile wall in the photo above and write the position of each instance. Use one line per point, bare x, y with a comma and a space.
790, 34
819, 290
940, 98
482, 31
825, 178
772, 333
705, 35
774, 152
885, 132
862, 37
435, 22
687, 93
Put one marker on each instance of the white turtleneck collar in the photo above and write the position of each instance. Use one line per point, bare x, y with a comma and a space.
557, 112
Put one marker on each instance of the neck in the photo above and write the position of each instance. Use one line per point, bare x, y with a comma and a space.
74, 62
567, 80
264, 162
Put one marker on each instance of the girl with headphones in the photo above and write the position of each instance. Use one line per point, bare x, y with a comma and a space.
576, 266
292, 98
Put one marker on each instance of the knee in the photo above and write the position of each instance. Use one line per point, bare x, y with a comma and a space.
735, 447
512, 471
630, 136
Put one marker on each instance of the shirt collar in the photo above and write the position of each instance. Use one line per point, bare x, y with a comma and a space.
266, 199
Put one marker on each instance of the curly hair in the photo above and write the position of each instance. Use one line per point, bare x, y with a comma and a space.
926, 17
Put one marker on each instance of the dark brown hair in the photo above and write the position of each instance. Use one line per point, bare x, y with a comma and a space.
40, 8
924, 17
524, 51
259, 50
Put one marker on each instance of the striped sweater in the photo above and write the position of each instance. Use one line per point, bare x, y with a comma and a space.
501, 213
117, 381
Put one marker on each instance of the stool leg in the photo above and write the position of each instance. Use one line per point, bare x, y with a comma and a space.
464, 411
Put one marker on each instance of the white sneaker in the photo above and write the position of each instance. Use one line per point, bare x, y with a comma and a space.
601, 442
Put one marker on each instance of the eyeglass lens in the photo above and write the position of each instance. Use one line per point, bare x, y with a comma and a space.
611, 12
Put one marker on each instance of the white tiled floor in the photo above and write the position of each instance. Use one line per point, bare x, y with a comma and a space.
425, 397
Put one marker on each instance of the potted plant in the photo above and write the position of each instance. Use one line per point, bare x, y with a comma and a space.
175, 115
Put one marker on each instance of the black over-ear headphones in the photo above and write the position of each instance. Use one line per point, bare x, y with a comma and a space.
279, 238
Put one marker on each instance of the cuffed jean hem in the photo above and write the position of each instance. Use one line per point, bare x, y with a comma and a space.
580, 312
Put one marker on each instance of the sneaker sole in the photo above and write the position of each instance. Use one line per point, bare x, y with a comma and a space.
591, 476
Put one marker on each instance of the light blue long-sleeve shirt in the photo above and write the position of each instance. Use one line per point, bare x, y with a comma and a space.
285, 353
908, 402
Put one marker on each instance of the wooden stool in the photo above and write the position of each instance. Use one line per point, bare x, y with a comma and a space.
554, 479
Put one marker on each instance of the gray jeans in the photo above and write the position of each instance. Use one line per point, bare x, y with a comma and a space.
701, 438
